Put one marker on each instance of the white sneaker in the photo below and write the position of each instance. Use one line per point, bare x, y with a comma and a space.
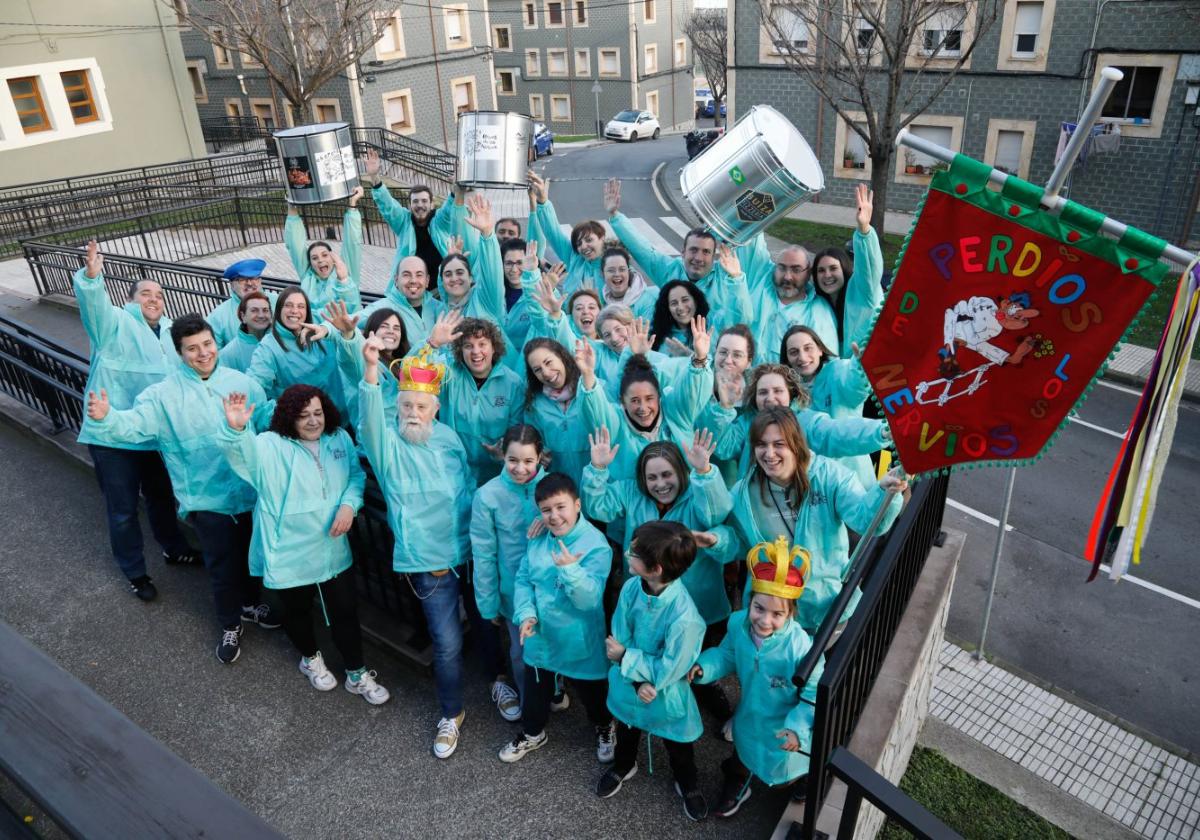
371, 691
606, 743
560, 702
319, 675
727, 730
516, 749
446, 741
507, 701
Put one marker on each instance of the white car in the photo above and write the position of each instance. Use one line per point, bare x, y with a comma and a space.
631, 125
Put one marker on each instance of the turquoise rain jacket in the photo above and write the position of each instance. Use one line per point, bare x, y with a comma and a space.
662, 635
223, 319
581, 273
416, 324
501, 514
565, 433
702, 507
279, 363
182, 417
839, 389
427, 488
399, 219
835, 499
567, 602
679, 407
642, 294
127, 357
486, 296
322, 291
238, 352
297, 501
481, 414
770, 702
351, 366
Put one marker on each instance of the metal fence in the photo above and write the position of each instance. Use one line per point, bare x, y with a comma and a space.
862, 782
41, 374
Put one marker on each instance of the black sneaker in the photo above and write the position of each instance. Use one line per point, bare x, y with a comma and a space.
733, 794
694, 804
143, 588
611, 782
230, 647
800, 788
262, 615
187, 558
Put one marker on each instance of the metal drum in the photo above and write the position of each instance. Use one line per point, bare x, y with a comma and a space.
318, 162
494, 149
756, 173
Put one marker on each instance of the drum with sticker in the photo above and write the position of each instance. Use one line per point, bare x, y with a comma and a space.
494, 149
318, 162
759, 170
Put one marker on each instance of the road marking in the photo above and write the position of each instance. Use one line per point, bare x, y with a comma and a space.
654, 183
1109, 432
676, 224
657, 242
1117, 387
608, 231
1136, 581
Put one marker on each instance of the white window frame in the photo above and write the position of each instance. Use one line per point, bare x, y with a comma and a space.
458, 10
396, 24
652, 5
678, 59
652, 97
647, 51
559, 52
534, 70
616, 52
1027, 128
247, 60
919, 57
526, 7
583, 68
576, 23
841, 142
769, 50
472, 99
195, 71
54, 101
404, 94
537, 107
560, 97
955, 124
1008, 58
511, 74
495, 31
562, 4
1162, 96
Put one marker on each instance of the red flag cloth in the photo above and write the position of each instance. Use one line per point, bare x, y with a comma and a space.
998, 318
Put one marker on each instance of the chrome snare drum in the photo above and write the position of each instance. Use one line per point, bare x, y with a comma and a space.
493, 149
318, 162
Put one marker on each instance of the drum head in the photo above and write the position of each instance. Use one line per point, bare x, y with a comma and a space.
788, 146
306, 130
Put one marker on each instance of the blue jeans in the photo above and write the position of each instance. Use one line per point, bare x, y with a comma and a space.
439, 601
225, 543
123, 474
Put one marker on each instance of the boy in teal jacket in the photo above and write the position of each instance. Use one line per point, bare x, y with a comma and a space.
656, 637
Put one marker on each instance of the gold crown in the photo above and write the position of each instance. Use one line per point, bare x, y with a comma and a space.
417, 373
780, 555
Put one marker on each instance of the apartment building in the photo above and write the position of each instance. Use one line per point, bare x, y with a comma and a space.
91, 88
549, 55
1032, 71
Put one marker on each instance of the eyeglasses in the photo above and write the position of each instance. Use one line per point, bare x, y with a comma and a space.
513, 264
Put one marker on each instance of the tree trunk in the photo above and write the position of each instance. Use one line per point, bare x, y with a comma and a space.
881, 170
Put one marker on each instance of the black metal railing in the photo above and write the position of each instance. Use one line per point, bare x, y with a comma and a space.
862, 782
41, 374
230, 131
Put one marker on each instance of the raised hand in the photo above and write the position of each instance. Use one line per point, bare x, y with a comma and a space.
311, 332
556, 274
372, 165
237, 412
790, 741
646, 693
339, 268
864, 201
564, 557
699, 454
612, 197
704, 539
894, 480
536, 528
613, 649
342, 321
729, 261
355, 196
527, 629
585, 357
371, 350
547, 295
455, 245
731, 387
640, 340
702, 337
481, 217
529, 262
94, 261
603, 452
539, 187
98, 406
445, 328
342, 521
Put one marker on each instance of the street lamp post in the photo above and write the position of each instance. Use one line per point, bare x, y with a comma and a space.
596, 92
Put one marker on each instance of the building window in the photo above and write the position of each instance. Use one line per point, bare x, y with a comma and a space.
537, 107
1133, 97
233, 108
650, 11
651, 59
560, 107
942, 32
391, 37
195, 71
264, 112
221, 55
583, 62
506, 82
1008, 151
533, 63
792, 35
554, 14
1010, 145
864, 36
247, 59
1025, 35
581, 14
26, 95
913, 167
327, 110
502, 38
556, 62
398, 112
610, 61
530, 14
458, 27
1139, 101
681, 52
1027, 26
850, 151
462, 93
652, 103
78, 89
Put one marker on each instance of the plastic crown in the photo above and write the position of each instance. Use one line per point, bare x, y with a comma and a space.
773, 572
418, 373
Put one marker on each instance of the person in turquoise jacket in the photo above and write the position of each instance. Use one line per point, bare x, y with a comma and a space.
183, 417
421, 230
553, 405
295, 351
647, 411
731, 359
656, 635
316, 265
501, 513
131, 349
792, 492
625, 286
473, 284
407, 295
772, 728
425, 479
581, 252
558, 604
310, 487
255, 316
386, 325
854, 291
245, 278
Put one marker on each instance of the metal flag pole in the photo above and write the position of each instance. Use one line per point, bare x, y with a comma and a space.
991, 595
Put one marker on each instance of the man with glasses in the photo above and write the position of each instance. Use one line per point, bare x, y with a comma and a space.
782, 295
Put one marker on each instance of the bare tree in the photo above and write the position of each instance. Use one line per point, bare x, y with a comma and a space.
301, 44
888, 60
705, 28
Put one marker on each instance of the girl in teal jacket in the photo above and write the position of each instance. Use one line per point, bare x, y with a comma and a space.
854, 289
772, 727
552, 405
656, 635
293, 352
316, 265
310, 487
474, 284
386, 325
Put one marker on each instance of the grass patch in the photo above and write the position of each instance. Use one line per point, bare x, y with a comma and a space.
573, 138
816, 236
975, 810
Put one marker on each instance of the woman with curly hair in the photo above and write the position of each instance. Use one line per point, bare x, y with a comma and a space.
678, 303
310, 488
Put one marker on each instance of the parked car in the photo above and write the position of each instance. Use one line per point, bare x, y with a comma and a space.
702, 95
699, 140
710, 108
543, 140
630, 125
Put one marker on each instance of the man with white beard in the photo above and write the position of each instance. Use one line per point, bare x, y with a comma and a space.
422, 470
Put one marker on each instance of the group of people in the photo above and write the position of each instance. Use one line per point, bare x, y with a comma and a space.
597, 455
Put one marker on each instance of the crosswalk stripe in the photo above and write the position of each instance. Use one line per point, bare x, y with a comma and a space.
676, 224
656, 240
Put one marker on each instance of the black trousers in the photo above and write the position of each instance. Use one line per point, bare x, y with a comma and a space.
681, 756
225, 544
341, 605
710, 696
539, 689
